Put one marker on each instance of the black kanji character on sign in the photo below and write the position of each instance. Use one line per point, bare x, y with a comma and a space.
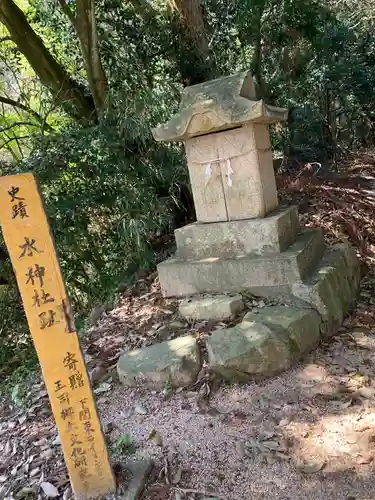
28, 248
19, 210
67, 413
70, 361
64, 397
59, 385
47, 319
83, 473
43, 298
84, 414
88, 429
74, 440
80, 462
76, 380
37, 274
13, 194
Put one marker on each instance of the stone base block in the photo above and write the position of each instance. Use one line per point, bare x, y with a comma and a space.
264, 343
333, 288
273, 234
217, 308
176, 362
181, 277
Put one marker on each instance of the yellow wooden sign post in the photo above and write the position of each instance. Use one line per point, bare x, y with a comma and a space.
30, 244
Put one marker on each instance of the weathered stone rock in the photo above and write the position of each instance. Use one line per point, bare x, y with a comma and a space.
273, 234
176, 362
185, 277
217, 307
138, 472
263, 344
333, 287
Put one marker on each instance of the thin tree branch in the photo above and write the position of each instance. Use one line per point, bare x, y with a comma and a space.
16, 124
68, 11
19, 105
13, 139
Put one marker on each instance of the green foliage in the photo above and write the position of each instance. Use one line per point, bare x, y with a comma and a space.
16, 349
102, 190
125, 445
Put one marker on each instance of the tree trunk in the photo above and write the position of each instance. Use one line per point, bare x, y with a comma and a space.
257, 62
50, 72
195, 63
85, 23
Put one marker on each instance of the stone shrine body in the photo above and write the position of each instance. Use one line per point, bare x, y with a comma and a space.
242, 242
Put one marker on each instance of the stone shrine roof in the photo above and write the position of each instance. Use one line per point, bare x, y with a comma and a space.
220, 104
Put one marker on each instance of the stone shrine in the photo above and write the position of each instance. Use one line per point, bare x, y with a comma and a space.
243, 241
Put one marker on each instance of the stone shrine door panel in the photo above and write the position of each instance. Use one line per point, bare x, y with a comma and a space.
232, 175
206, 178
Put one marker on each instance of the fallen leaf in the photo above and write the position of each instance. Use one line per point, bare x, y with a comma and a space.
34, 472
49, 490
270, 459
367, 392
104, 387
312, 467
22, 419
140, 410
25, 492
97, 373
3, 479
177, 476
240, 449
67, 493
127, 413
271, 445
158, 439
46, 454
41, 442
57, 440
364, 459
8, 448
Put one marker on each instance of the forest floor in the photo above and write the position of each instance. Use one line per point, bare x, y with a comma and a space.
306, 434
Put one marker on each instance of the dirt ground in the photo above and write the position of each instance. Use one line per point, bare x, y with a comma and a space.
306, 434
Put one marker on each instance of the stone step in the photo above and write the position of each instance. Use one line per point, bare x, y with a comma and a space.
181, 277
273, 234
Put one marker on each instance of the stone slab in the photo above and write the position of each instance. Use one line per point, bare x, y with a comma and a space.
176, 362
263, 344
333, 287
138, 472
217, 307
186, 277
273, 234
